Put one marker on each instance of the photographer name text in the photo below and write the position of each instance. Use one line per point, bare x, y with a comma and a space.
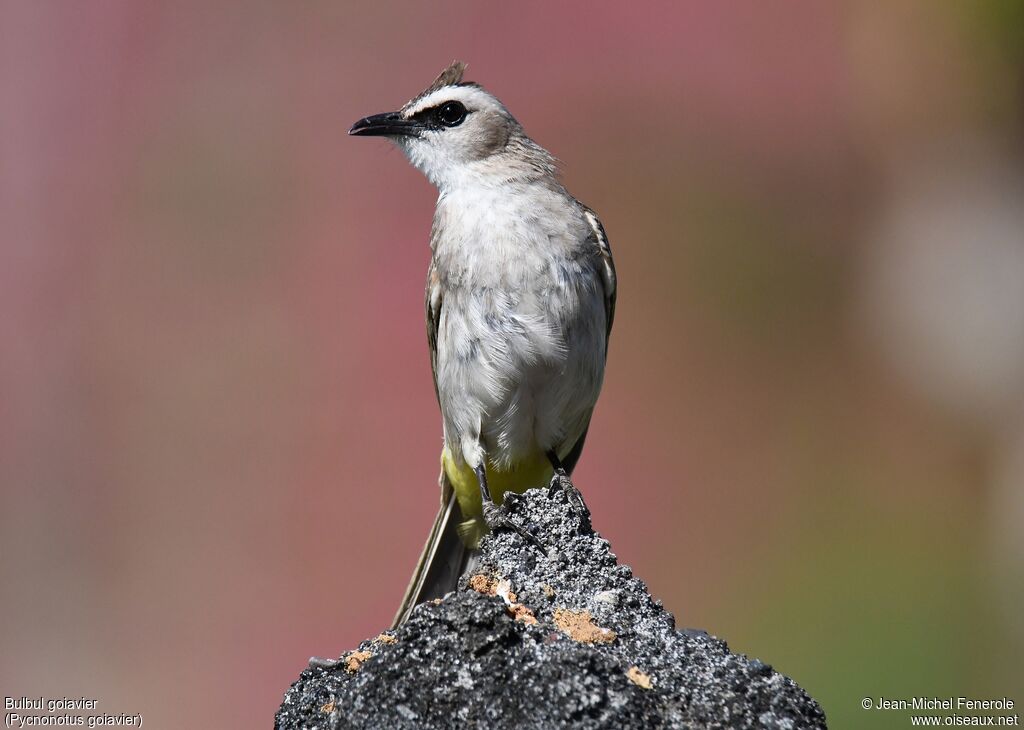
939, 703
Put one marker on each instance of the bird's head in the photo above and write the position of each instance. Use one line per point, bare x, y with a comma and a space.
452, 131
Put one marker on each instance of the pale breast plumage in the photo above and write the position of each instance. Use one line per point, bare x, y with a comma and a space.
520, 297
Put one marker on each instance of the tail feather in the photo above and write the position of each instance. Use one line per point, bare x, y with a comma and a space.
444, 560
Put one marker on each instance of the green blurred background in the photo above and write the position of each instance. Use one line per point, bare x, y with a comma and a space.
218, 437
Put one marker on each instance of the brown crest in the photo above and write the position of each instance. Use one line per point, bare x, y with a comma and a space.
449, 77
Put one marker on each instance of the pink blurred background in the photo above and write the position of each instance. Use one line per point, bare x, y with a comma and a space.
218, 436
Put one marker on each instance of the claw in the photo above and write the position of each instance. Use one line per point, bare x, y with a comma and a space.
497, 519
560, 482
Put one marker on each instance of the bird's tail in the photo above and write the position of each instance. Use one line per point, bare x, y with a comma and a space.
445, 557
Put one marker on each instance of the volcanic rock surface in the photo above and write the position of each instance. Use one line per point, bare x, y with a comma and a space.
531, 640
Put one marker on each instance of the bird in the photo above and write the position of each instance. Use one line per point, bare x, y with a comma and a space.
520, 300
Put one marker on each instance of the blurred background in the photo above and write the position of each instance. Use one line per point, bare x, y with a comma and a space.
218, 436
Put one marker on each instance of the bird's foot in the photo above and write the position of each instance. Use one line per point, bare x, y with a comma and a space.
561, 482
497, 518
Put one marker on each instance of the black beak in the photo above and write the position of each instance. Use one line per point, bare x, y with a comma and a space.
385, 125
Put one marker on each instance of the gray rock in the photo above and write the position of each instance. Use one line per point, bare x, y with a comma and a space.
579, 643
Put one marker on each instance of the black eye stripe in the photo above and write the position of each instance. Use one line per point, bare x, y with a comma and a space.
447, 114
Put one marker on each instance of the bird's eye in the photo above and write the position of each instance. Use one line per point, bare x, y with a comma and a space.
451, 113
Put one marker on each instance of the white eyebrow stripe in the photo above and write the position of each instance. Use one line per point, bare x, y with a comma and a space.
468, 95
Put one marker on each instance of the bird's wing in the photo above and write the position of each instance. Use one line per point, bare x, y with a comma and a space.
444, 557
599, 239
433, 307
607, 269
